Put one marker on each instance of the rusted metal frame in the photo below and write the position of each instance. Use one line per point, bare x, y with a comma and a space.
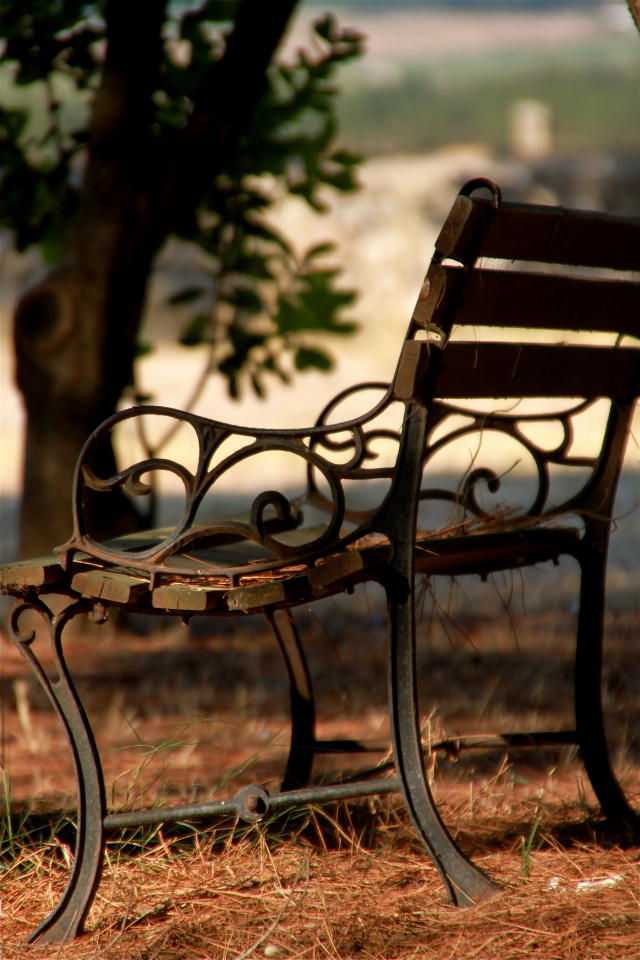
465, 883
67, 919
597, 493
453, 747
596, 498
543, 458
196, 487
154, 558
590, 724
507, 424
596, 506
303, 715
314, 495
252, 803
464, 240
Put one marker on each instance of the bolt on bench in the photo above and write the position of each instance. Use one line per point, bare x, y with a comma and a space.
468, 367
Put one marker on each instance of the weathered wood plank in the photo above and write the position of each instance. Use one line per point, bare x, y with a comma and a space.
546, 234
336, 568
110, 585
39, 572
471, 370
257, 596
184, 597
509, 298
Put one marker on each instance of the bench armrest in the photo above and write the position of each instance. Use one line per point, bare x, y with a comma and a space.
328, 453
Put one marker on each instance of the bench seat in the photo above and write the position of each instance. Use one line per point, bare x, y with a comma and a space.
475, 551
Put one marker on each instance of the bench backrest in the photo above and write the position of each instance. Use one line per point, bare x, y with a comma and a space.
508, 284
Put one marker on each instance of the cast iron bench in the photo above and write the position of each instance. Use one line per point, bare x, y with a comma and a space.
500, 270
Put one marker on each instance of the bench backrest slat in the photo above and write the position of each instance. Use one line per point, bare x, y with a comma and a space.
538, 233
509, 298
484, 370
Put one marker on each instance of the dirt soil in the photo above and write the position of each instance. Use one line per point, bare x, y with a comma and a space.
175, 709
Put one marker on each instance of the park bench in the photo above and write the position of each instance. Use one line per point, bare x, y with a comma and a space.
509, 284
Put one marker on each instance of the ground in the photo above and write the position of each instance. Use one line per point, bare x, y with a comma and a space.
339, 881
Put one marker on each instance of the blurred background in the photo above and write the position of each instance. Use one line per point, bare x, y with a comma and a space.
541, 96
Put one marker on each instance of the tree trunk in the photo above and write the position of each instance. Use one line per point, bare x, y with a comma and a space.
74, 359
75, 333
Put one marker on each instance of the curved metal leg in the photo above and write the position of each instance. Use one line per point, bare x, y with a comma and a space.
588, 697
67, 919
303, 713
465, 883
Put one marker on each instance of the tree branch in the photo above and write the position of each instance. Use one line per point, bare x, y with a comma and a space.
224, 105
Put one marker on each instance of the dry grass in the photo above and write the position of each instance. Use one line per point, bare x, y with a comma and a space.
340, 889
340, 881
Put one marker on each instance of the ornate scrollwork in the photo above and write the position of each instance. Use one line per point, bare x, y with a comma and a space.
271, 513
512, 426
67, 918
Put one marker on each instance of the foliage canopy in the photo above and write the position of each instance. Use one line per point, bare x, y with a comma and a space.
257, 300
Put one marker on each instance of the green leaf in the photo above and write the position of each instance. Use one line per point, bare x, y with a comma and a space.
313, 304
196, 330
262, 231
188, 295
287, 315
254, 265
242, 341
307, 357
271, 364
258, 386
342, 180
50, 242
319, 250
346, 158
229, 370
244, 298
143, 349
219, 11
326, 27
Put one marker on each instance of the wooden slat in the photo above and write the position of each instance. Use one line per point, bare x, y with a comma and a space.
532, 370
512, 299
501, 549
540, 233
336, 568
30, 573
110, 585
184, 597
257, 596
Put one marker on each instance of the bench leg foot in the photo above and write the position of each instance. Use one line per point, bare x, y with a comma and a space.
67, 919
465, 883
588, 699
303, 715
